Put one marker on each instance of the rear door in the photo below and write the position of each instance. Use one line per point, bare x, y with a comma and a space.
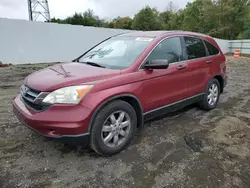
198, 64
162, 87
215, 59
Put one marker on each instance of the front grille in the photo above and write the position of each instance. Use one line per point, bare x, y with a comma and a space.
35, 107
33, 98
28, 93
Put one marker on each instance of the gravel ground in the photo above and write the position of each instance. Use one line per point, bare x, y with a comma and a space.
190, 148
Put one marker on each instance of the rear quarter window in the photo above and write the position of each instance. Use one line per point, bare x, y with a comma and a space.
195, 47
211, 48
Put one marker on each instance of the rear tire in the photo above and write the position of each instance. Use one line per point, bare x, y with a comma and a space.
113, 128
211, 96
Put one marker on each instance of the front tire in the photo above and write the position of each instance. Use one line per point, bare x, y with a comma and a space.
113, 128
211, 96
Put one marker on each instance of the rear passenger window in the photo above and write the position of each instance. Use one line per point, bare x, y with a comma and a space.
195, 47
169, 49
211, 48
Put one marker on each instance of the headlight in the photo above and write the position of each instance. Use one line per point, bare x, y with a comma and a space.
68, 95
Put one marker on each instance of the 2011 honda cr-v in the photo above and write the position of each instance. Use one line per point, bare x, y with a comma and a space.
103, 96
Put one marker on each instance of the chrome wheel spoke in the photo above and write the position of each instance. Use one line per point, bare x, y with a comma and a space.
215, 98
122, 133
210, 101
106, 129
108, 138
116, 139
125, 124
213, 87
112, 118
209, 96
210, 90
121, 117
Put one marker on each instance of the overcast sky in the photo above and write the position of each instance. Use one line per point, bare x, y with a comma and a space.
104, 8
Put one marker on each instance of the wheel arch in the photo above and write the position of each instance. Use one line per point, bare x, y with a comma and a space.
220, 78
129, 98
221, 81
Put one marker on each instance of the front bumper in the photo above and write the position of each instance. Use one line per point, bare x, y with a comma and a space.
68, 123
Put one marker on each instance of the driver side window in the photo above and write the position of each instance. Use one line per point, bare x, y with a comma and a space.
169, 49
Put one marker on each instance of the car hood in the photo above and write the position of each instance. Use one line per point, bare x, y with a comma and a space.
66, 74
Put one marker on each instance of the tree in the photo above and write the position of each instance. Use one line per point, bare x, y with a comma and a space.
193, 18
76, 19
88, 18
169, 17
246, 28
147, 19
246, 32
226, 19
123, 23
111, 25
56, 20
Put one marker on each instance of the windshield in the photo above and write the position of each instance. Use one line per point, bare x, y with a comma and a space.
117, 53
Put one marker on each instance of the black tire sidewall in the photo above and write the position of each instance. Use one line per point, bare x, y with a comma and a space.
96, 140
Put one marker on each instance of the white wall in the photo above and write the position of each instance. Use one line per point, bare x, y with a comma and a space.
23, 41
224, 45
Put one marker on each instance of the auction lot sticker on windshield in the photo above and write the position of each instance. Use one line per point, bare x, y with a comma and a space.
144, 39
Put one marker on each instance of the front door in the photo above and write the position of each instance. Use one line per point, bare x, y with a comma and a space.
164, 87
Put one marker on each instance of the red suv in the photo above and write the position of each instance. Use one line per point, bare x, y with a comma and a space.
103, 96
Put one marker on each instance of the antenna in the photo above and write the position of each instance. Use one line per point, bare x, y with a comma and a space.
38, 9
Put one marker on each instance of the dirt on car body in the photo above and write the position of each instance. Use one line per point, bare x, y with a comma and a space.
190, 148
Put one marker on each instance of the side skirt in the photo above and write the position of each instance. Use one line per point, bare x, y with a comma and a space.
172, 107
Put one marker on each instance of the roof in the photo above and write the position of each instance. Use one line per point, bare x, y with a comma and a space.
144, 33
160, 33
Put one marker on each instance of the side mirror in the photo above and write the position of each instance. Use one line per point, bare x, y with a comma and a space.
156, 64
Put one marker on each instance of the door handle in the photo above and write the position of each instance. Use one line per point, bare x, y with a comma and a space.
209, 61
181, 67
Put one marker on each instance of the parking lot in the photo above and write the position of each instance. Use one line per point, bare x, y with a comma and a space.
189, 148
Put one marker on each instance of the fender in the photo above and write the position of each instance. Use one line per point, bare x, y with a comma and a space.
140, 121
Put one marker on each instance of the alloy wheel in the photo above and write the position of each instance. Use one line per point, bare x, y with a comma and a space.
213, 94
115, 129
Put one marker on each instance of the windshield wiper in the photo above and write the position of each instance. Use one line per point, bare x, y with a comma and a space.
93, 64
